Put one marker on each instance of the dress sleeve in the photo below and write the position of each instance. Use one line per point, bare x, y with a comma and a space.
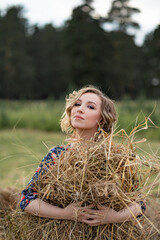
140, 201
143, 208
30, 193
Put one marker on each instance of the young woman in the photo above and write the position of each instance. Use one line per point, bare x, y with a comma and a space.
86, 111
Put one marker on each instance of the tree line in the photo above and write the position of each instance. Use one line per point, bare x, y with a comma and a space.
48, 62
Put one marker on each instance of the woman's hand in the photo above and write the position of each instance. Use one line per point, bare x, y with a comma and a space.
106, 215
75, 212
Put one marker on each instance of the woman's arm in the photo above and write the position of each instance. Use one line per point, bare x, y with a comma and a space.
72, 212
43, 209
104, 215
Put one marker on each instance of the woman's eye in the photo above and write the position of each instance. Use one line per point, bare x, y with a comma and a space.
91, 107
77, 104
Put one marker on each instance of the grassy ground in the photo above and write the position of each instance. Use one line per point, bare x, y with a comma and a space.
133, 113
43, 115
22, 150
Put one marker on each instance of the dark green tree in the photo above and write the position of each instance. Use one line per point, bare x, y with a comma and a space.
1, 60
16, 66
121, 15
87, 2
49, 61
126, 66
151, 64
127, 56
88, 48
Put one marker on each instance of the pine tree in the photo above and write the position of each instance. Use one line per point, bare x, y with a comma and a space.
17, 71
121, 15
44, 45
151, 63
88, 48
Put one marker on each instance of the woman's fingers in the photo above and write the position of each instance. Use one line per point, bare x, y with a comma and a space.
87, 215
85, 210
90, 215
90, 206
78, 204
92, 222
94, 217
101, 207
87, 207
93, 212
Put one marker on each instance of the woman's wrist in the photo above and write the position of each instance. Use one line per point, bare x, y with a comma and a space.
118, 216
130, 212
70, 212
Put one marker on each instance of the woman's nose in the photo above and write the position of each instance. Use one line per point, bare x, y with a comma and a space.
80, 109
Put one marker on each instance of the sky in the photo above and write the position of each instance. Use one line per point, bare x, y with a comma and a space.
57, 11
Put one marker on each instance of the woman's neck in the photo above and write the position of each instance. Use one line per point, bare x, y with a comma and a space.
84, 134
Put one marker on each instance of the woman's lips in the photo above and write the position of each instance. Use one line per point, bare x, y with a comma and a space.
78, 117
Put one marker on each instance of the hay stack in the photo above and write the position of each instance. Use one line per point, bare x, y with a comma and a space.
101, 172
9, 199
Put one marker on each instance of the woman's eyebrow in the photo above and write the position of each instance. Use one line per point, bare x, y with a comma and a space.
87, 102
92, 102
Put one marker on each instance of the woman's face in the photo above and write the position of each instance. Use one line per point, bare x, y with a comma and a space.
86, 114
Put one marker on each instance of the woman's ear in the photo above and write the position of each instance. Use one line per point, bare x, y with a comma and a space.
101, 121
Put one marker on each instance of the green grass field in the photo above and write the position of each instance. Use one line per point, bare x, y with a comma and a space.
43, 115
20, 153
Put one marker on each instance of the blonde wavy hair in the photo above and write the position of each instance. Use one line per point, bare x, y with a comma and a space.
108, 112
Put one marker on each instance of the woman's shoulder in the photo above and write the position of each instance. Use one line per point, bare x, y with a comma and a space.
50, 158
56, 151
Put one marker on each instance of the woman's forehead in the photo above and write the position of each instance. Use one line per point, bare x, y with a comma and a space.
90, 97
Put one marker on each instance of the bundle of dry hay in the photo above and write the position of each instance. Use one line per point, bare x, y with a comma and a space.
9, 199
91, 172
